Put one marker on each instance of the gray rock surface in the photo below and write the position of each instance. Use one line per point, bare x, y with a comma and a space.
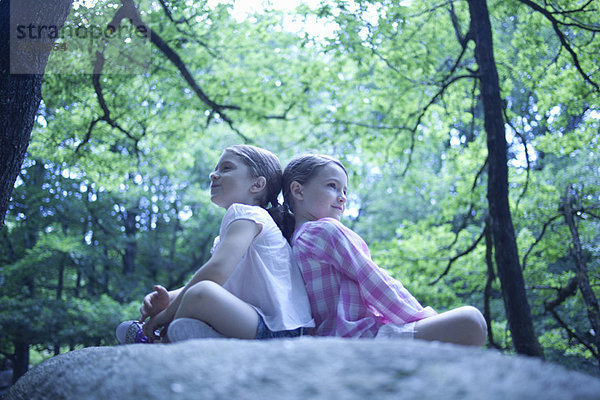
306, 368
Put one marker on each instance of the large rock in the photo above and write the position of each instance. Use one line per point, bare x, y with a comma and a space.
306, 368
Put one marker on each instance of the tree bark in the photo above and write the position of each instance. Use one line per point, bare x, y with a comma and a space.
20, 360
506, 255
20, 93
591, 302
491, 276
130, 241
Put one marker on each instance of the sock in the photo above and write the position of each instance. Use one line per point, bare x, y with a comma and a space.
190, 328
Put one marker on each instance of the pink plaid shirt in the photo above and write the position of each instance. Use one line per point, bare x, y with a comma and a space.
349, 294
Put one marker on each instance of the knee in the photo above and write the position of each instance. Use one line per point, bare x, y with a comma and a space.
475, 325
200, 291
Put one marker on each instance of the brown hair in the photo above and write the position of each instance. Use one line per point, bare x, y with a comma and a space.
266, 164
261, 163
302, 169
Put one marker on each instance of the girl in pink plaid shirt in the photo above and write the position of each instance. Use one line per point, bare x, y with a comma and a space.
349, 294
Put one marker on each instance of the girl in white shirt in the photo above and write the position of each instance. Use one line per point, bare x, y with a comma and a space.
249, 288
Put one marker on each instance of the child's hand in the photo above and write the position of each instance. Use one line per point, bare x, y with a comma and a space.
160, 320
154, 302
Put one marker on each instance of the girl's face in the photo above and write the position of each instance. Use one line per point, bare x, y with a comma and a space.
231, 182
324, 195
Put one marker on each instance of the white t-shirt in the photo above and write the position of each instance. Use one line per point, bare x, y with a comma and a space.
265, 277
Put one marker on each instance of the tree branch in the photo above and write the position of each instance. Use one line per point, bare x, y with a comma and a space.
98, 67
370, 126
169, 14
445, 85
564, 293
572, 333
182, 20
589, 297
463, 225
563, 40
538, 239
284, 115
491, 276
575, 10
457, 256
520, 135
130, 11
455, 24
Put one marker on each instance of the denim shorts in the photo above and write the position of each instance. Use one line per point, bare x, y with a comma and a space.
264, 333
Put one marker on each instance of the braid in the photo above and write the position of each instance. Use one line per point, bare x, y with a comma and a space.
284, 219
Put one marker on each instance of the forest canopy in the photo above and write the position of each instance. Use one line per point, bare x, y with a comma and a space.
113, 194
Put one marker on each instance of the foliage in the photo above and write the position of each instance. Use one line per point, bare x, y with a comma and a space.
100, 212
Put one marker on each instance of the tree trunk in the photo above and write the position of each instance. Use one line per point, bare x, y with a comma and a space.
506, 255
491, 276
591, 302
20, 93
130, 241
20, 360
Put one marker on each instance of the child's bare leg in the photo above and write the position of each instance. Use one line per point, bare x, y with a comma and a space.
209, 302
463, 325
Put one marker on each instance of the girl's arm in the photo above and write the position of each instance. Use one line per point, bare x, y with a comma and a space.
347, 253
232, 247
